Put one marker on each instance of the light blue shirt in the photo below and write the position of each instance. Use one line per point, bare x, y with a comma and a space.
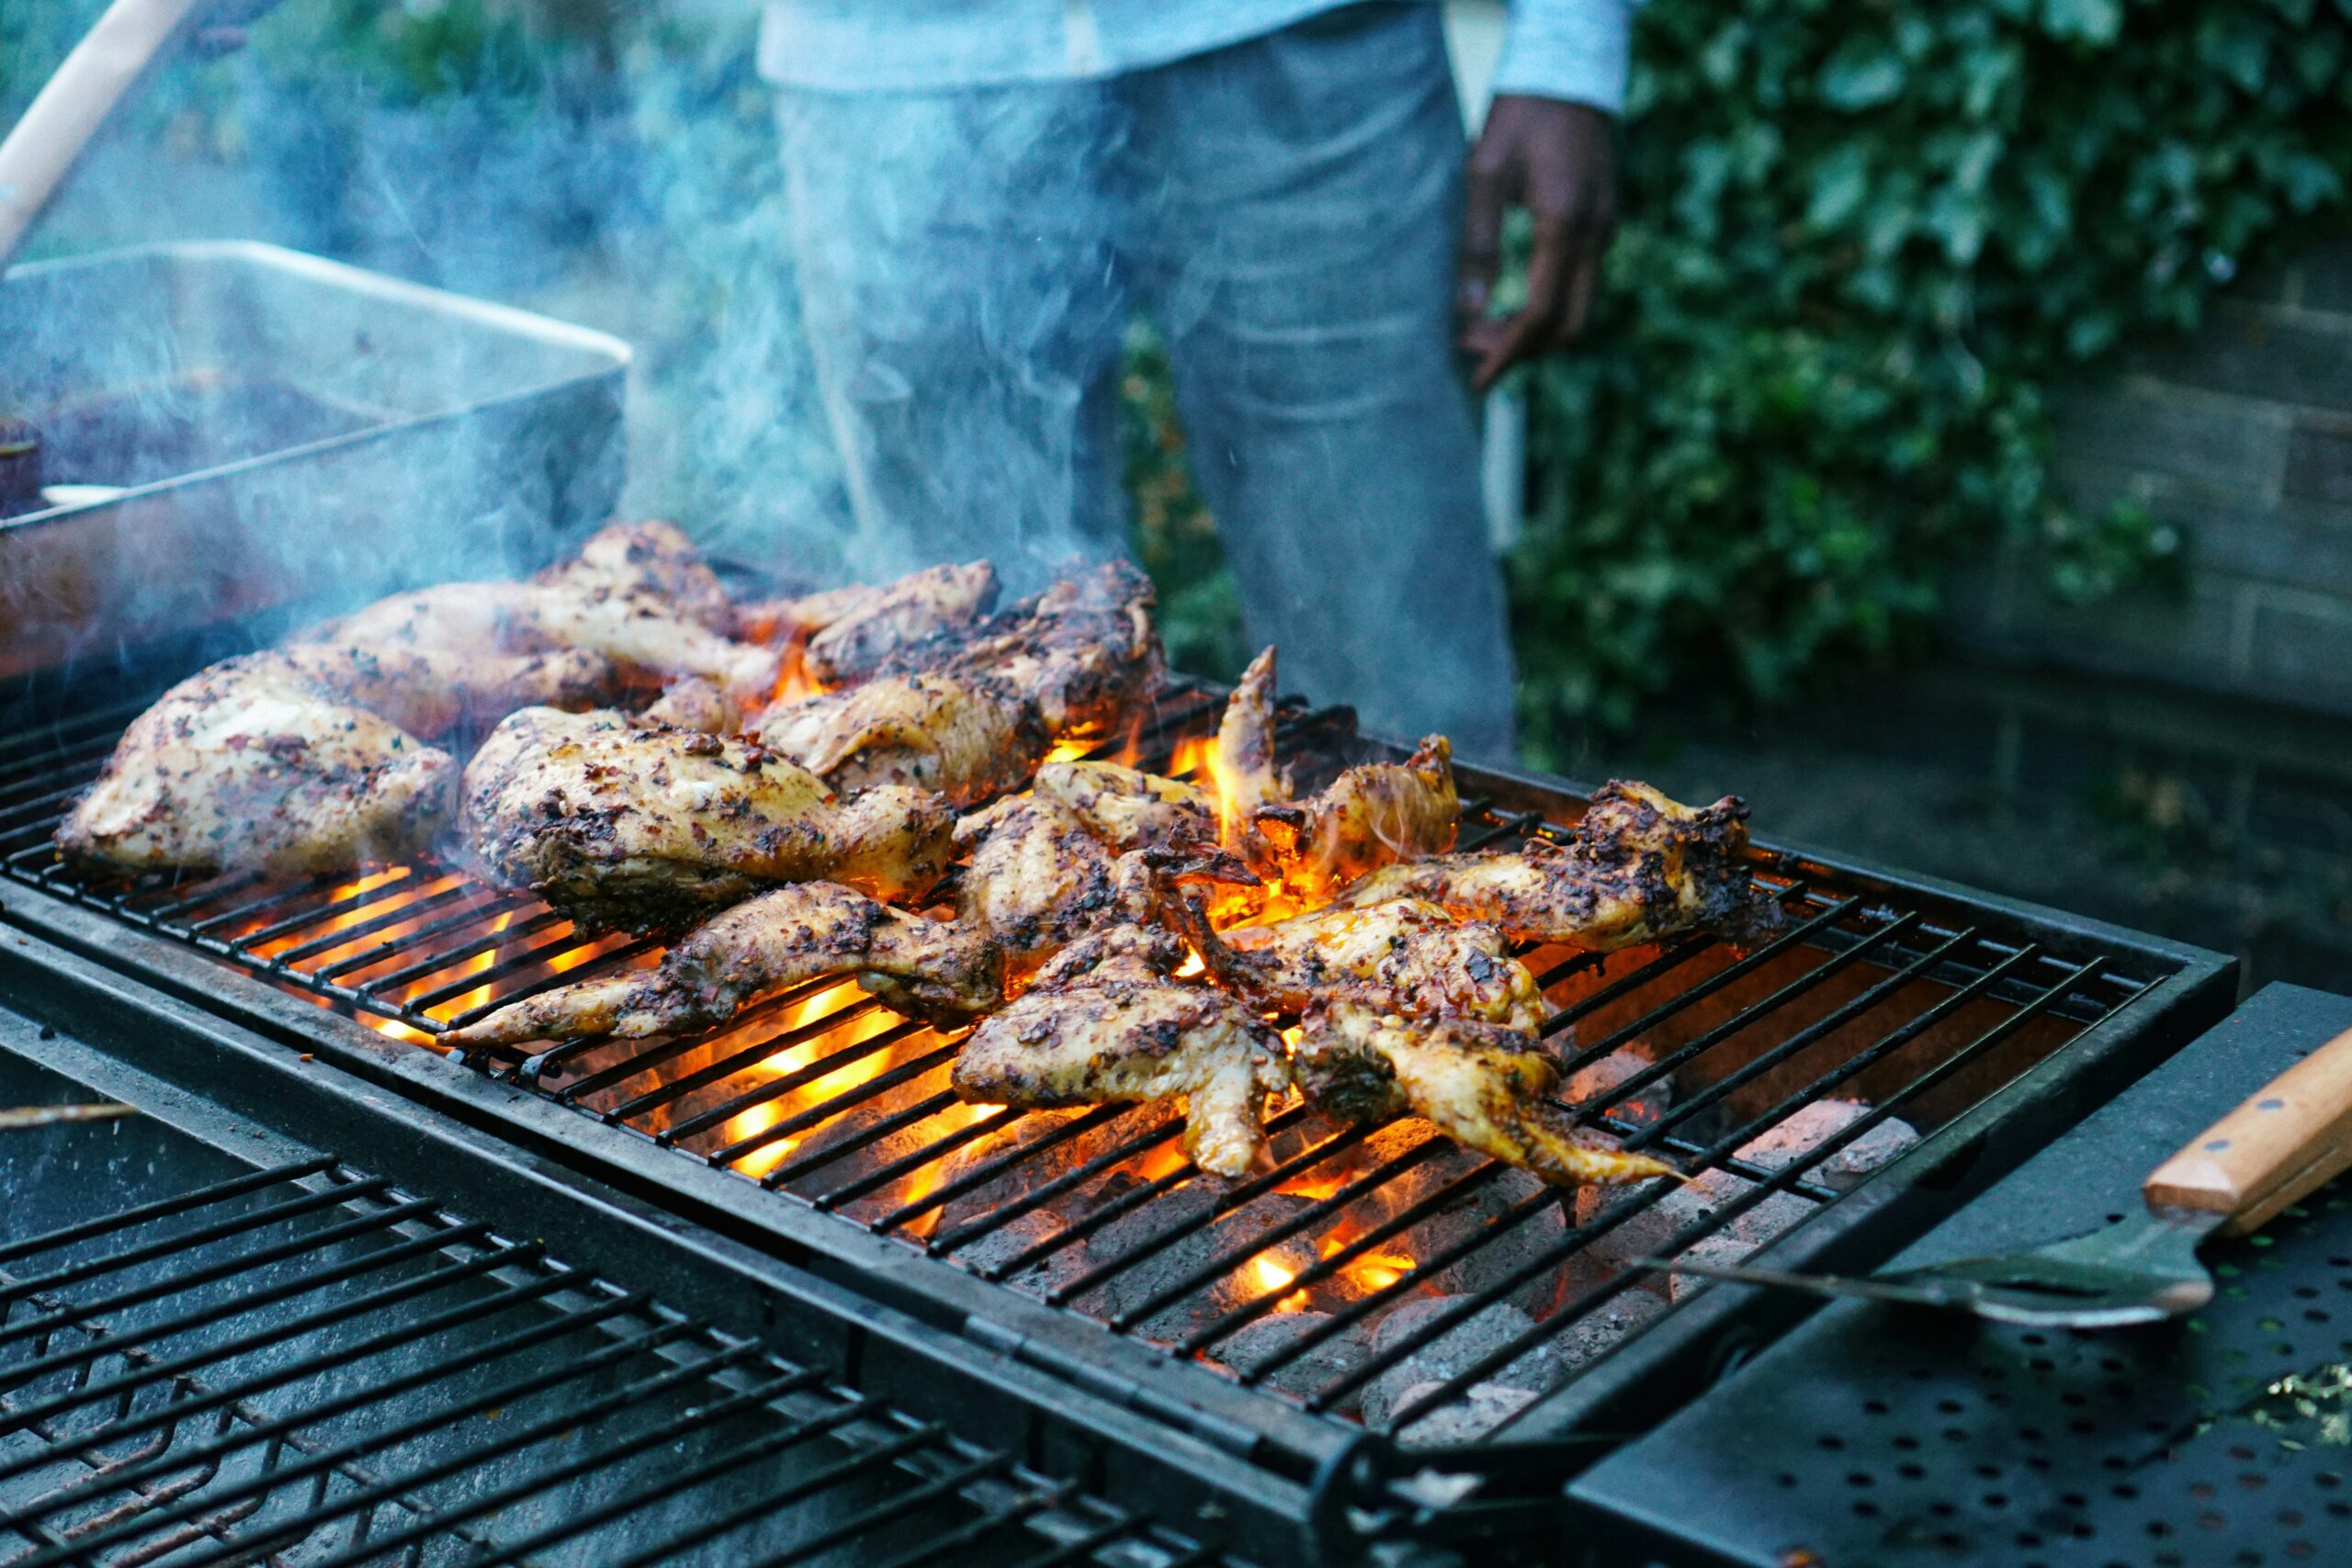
1573, 50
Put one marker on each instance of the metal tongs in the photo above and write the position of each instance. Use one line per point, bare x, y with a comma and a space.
2293, 1135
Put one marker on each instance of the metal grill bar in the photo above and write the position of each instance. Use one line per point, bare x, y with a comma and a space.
866, 1128
489, 1385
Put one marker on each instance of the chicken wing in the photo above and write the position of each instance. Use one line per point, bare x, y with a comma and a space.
966, 737
1481, 1084
942, 973
623, 823
1109, 1022
1242, 763
1405, 956
252, 765
1372, 815
1638, 867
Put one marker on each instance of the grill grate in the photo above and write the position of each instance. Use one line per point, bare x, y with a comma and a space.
306, 1362
820, 1094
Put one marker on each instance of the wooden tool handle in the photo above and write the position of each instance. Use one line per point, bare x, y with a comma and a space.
2292, 1135
110, 58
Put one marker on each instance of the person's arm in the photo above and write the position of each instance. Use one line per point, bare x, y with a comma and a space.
1549, 145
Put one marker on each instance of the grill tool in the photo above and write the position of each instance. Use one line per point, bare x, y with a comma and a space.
2290, 1137
1873, 1436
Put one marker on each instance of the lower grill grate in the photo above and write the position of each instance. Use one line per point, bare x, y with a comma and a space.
1901, 1009
307, 1364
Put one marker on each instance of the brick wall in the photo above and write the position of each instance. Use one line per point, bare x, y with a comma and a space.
2241, 434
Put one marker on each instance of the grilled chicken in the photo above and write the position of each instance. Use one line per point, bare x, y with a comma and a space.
648, 560
1243, 764
623, 823
1372, 815
1084, 651
924, 604
1108, 1021
1481, 1084
636, 597
1638, 867
432, 693
787, 937
253, 765
966, 737
1405, 956
1091, 844
1128, 808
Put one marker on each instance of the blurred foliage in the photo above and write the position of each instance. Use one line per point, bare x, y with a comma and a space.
1864, 242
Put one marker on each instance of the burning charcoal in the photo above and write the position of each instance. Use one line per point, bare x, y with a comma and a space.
1448, 1355
1598, 1331
1499, 1252
1466, 1420
1813, 1124
1589, 1082
1185, 1213
1018, 1235
1258, 1342
1017, 1179
1651, 1232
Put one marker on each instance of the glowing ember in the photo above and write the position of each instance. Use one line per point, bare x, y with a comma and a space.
1271, 1278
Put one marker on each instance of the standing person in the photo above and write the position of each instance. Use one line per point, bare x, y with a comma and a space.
982, 190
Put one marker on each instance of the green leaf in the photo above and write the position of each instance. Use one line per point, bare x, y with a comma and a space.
2087, 21
1863, 72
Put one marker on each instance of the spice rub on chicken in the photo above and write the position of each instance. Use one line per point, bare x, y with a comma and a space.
619, 823
260, 763
968, 738
769, 943
1110, 1021
847, 634
1403, 956
1480, 1084
1638, 867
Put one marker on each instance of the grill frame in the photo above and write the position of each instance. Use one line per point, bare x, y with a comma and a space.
1622, 1392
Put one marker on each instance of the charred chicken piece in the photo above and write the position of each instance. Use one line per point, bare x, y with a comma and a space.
1372, 815
776, 622
1480, 1084
252, 764
648, 560
625, 824
944, 974
1638, 867
1084, 651
1109, 1022
966, 737
1405, 956
432, 691
923, 604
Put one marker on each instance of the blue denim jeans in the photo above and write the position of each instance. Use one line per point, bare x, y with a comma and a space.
1286, 211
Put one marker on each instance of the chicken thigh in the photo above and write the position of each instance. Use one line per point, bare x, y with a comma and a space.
622, 823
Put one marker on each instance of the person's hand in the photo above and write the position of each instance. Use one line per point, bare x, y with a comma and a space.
1560, 160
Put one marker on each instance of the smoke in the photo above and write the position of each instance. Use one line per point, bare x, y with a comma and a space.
616, 168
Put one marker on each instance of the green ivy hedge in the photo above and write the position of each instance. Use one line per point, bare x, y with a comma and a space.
1863, 243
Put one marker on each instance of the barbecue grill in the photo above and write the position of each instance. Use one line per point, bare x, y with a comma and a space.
1243, 1323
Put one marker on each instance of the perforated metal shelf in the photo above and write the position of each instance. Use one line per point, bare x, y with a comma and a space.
1888, 1436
